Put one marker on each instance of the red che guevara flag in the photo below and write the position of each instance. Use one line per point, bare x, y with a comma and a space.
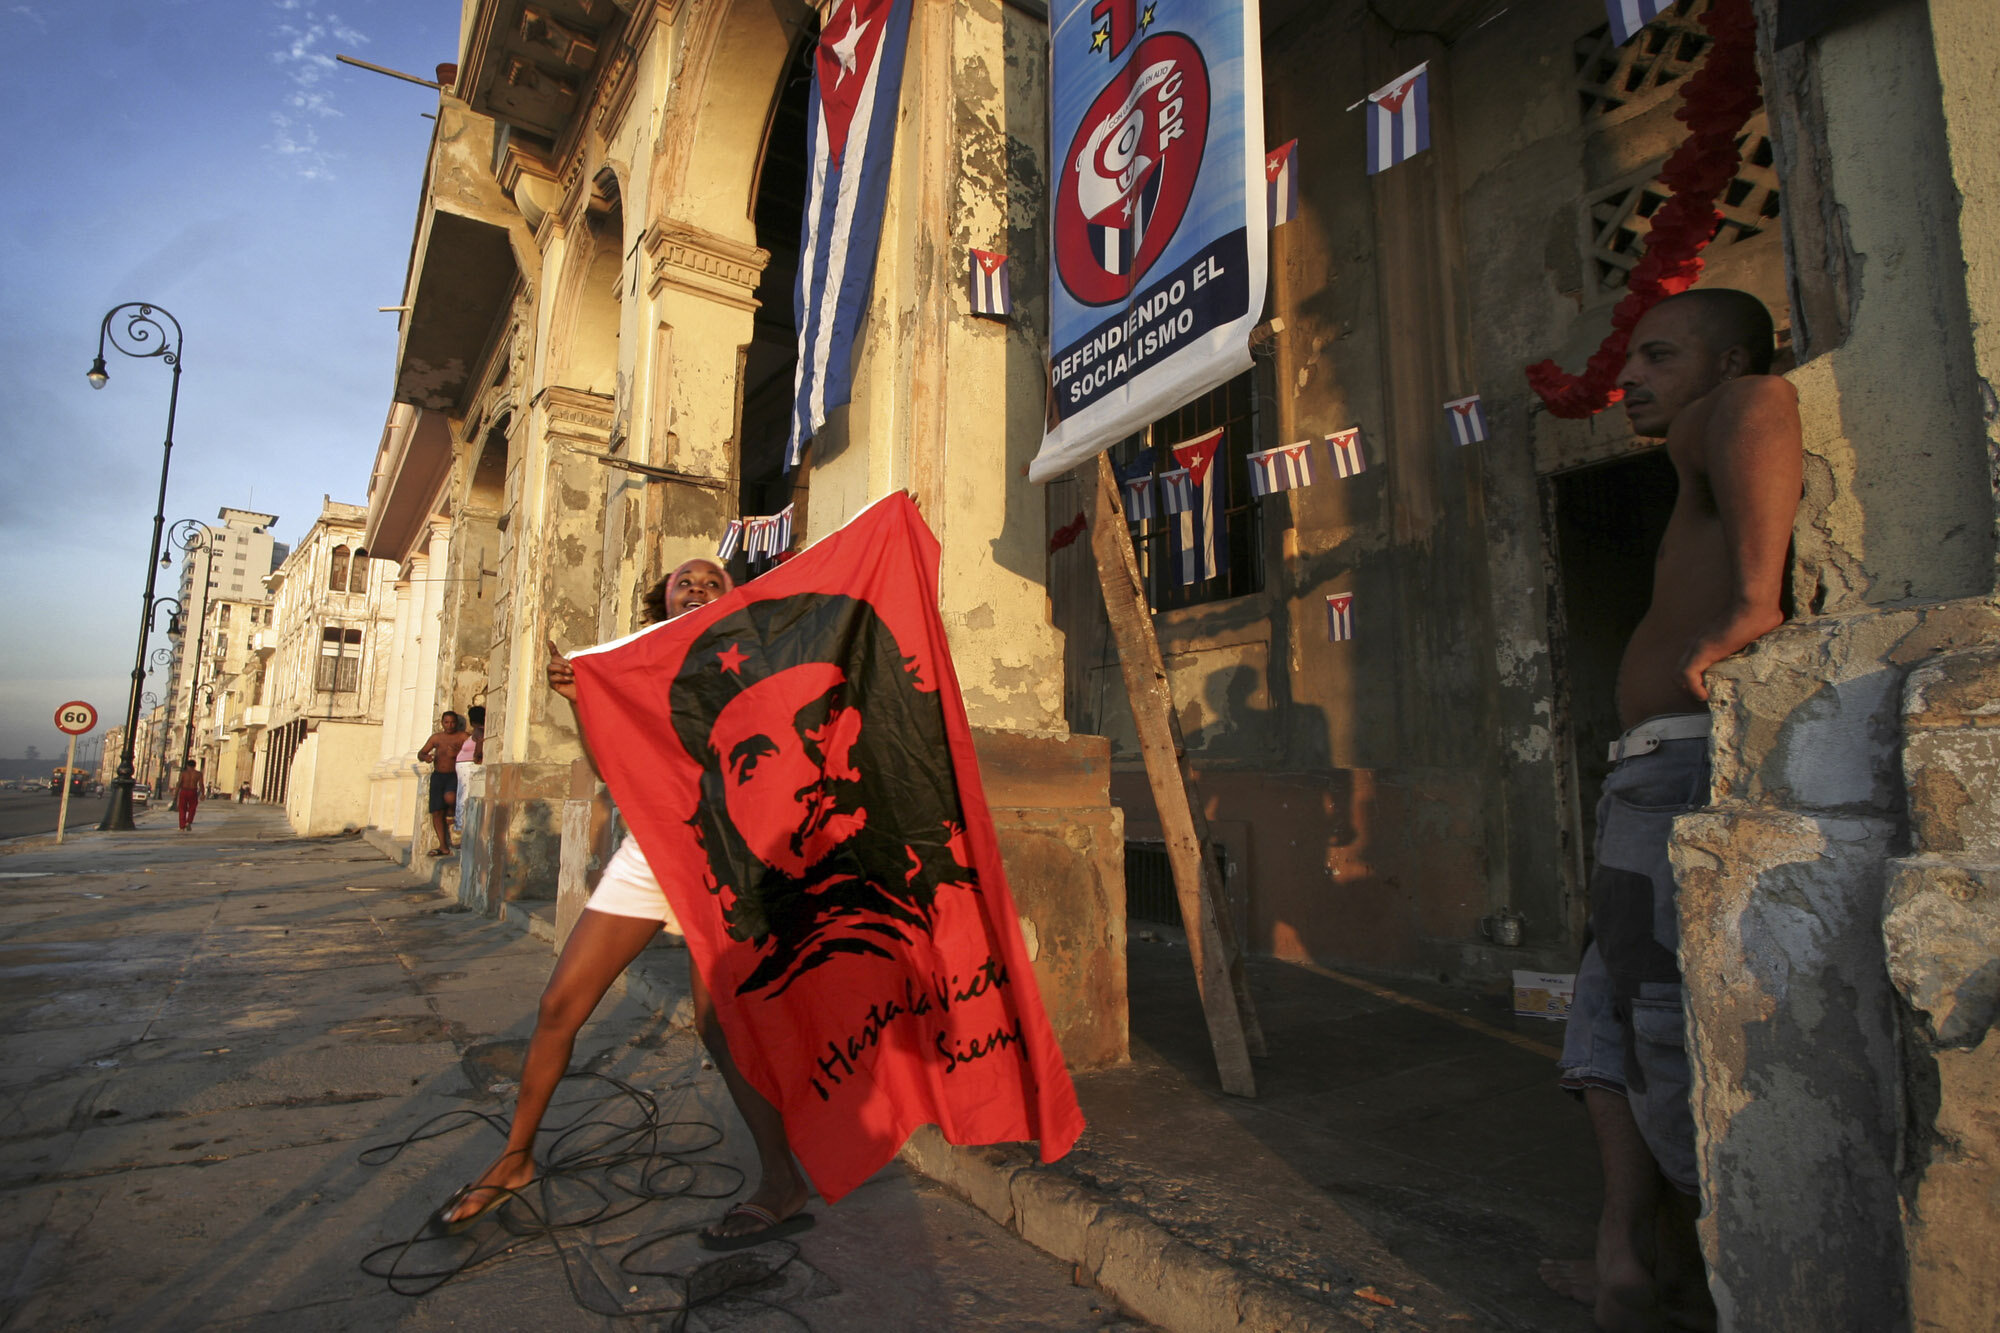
795, 761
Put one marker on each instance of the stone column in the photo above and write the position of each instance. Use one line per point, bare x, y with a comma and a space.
1792, 1023
1942, 931
427, 601
385, 798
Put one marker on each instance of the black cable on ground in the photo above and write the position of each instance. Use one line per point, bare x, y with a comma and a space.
600, 1166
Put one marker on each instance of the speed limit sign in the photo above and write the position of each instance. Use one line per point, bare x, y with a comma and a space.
75, 717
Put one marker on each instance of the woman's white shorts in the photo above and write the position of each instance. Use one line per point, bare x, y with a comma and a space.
627, 888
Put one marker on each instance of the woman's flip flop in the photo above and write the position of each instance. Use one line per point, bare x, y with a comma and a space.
441, 1222
774, 1228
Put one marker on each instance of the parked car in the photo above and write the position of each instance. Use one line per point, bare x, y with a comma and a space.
141, 793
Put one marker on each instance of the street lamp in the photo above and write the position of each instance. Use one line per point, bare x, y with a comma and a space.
135, 329
189, 536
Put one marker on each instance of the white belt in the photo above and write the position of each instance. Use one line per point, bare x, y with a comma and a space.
1646, 737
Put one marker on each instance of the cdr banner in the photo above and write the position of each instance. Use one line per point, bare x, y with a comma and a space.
1158, 258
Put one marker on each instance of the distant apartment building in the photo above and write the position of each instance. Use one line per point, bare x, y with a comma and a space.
318, 685
221, 593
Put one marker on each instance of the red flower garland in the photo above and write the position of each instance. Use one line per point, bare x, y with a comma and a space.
1716, 102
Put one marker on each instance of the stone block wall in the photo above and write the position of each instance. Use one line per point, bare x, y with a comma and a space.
1941, 928
1843, 966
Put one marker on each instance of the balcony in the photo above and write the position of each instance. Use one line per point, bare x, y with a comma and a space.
530, 66
463, 266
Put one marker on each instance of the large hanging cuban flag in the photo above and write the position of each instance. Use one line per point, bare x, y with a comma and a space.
850, 130
1199, 541
1628, 16
1157, 243
795, 762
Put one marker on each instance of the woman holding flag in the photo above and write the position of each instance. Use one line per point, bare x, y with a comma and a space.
627, 909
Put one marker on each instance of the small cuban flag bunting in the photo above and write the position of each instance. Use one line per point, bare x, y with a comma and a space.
1176, 491
1281, 183
992, 289
1628, 16
1198, 535
769, 536
1135, 488
1468, 420
1343, 449
1285, 468
731, 539
1339, 616
1399, 119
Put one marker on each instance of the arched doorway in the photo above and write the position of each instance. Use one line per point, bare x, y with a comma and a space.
770, 362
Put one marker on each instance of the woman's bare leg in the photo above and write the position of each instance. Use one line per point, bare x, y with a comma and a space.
597, 951
782, 1190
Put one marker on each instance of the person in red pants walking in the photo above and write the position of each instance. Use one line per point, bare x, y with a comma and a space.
187, 794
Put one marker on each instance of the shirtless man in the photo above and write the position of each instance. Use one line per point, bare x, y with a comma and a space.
441, 751
1698, 374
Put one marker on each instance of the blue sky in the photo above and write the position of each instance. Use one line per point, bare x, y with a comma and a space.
210, 157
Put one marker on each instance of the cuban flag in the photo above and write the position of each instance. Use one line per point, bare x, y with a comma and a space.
850, 130
780, 532
1176, 491
1198, 538
1135, 487
1285, 468
1343, 447
1281, 183
1399, 119
731, 540
992, 290
1628, 16
1339, 616
756, 535
1468, 420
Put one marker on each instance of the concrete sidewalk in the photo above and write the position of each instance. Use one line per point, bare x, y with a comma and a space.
204, 1032
1407, 1161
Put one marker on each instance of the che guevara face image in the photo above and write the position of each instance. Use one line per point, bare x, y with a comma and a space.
829, 813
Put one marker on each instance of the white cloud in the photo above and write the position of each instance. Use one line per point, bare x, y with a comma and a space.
306, 37
31, 14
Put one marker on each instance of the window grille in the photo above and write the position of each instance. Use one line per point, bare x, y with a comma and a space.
1609, 77
1233, 407
1618, 218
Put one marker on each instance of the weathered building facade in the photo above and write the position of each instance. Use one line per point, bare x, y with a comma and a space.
321, 681
599, 350
595, 368
227, 568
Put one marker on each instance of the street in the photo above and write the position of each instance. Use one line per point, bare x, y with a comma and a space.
217, 1044
24, 813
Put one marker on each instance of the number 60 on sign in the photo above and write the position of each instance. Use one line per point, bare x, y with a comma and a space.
75, 718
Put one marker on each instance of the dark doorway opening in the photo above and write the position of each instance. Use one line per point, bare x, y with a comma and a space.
1610, 519
771, 360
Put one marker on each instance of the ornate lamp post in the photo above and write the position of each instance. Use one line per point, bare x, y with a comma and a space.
144, 754
153, 741
135, 329
189, 537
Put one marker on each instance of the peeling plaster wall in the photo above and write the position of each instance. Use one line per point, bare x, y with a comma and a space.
1898, 419
986, 514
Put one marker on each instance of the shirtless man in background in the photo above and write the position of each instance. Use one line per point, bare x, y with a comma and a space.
441, 751
1697, 374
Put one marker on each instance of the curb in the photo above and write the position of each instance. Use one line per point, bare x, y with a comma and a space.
1133, 1259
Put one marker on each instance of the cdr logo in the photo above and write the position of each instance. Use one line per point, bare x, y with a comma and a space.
1131, 169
